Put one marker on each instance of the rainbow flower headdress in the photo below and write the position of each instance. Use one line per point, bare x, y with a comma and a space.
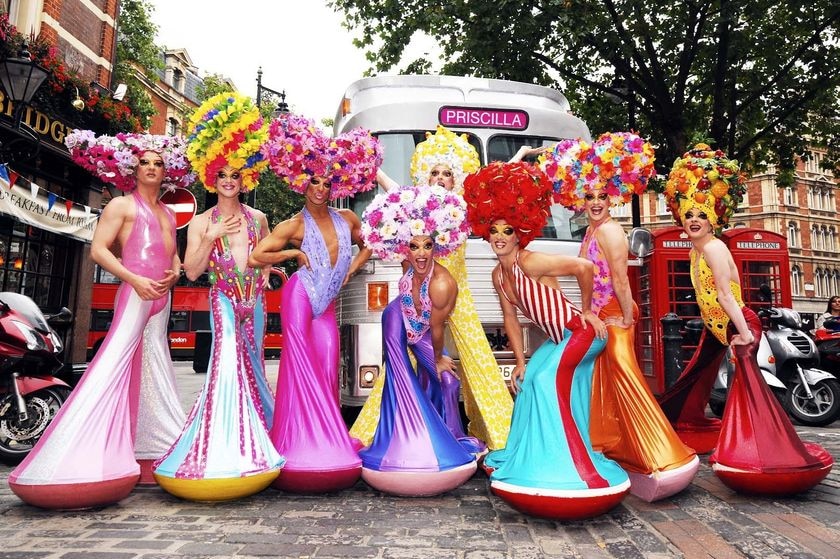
227, 130
444, 147
705, 179
114, 159
518, 193
297, 151
394, 217
619, 163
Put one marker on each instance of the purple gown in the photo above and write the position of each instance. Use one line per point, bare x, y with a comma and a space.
308, 428
125, 407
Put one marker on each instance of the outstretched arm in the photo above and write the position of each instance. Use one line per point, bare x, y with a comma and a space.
272, 249
356, 238
526, 151
386, 182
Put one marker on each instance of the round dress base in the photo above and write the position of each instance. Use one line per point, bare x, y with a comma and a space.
217, 489
309, 481
776, 483
147, 475
703, 441
664, 483
418, 484
560, 504
76, 496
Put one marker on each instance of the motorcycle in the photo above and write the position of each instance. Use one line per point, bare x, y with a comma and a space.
30, 394
827, 339
788, 359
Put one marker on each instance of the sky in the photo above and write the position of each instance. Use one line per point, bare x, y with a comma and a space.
300, 44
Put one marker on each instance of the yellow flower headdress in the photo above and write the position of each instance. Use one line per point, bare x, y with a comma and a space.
705, 179
227, 130
444, 147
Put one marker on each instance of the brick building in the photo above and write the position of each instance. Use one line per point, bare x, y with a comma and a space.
805, 213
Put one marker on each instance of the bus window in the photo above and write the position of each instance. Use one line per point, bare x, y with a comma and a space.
272, 322
179, 321
101, 319
200, 320
503, 147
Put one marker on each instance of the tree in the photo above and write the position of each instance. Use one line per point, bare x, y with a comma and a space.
759, 79
137, 52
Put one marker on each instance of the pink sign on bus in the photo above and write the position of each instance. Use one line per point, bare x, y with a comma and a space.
474, 117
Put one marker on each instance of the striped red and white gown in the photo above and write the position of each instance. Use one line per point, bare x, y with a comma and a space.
549, 446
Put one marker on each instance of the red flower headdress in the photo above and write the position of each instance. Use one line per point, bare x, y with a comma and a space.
518, 193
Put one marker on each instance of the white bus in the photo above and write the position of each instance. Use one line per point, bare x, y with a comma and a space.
499, 117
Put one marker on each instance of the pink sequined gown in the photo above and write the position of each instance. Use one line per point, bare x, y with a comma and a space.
125, 408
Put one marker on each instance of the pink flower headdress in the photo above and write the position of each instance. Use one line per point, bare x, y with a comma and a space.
394, 217
114, 159
620, 163
297, 151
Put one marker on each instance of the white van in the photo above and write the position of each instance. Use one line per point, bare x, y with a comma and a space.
499, 117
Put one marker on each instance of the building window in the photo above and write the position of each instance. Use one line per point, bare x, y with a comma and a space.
792, 235
620, 211
832, 239
173, 128
662, 206
178, 80
796, 281
789, 196
835, 282
818, 283
812, 163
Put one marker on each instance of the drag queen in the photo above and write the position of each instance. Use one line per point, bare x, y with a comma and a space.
627, 424
548, 467
758, 450
308, 429
224, 451
444, 159
125, 412
414, 452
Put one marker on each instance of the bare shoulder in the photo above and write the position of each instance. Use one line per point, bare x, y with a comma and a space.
119, 207
611, 230
349, 216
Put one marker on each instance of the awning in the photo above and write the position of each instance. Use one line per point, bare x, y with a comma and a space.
31, 204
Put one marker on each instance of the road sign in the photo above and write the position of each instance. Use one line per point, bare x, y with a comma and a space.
182, 202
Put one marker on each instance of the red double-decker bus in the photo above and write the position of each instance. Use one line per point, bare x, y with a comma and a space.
190, 313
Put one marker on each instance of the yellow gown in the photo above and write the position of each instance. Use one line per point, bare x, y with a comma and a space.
487, 400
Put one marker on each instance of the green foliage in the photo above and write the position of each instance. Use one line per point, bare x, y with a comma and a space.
761, 78
211, 85
275, 199
137, 51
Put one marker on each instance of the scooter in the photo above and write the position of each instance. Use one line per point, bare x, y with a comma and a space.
788, 358
30, 394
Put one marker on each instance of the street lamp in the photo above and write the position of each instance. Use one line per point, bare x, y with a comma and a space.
625, 89
21, 78
282, 108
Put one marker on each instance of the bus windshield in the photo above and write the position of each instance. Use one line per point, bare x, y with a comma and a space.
398, 148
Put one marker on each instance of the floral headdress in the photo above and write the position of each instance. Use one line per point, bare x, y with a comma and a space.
619, 163
297, 151
227, 130
114, 159
518, 193
705, 179
444, 147
394, 217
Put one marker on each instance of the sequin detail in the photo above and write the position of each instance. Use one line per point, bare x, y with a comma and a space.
322, 280
416, 323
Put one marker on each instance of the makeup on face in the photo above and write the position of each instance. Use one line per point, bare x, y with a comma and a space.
236, 175
156, 162
506, 231
590, 196
415, 246
690, 215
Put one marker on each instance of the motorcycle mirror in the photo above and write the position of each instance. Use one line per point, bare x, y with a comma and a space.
641, 242
65, 315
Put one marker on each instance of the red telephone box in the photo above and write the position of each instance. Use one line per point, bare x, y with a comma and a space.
762, 258
664, 286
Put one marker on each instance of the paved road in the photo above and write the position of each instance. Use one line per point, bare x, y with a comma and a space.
706, 520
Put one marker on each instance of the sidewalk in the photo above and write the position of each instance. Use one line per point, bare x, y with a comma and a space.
705, 520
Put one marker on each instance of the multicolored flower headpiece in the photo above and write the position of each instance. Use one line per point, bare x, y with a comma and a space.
114, 159
394, 217
518, 193
444, 147
619, 163
297, 151
705, 179
227, 130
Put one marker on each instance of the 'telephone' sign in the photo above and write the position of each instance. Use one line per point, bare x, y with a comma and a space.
473, 117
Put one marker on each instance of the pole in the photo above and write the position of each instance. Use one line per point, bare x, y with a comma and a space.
635, 203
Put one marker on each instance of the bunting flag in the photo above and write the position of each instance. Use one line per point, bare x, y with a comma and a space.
24, 204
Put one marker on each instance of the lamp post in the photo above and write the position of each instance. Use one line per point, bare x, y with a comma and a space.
282, 108
625, 88
21, 78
